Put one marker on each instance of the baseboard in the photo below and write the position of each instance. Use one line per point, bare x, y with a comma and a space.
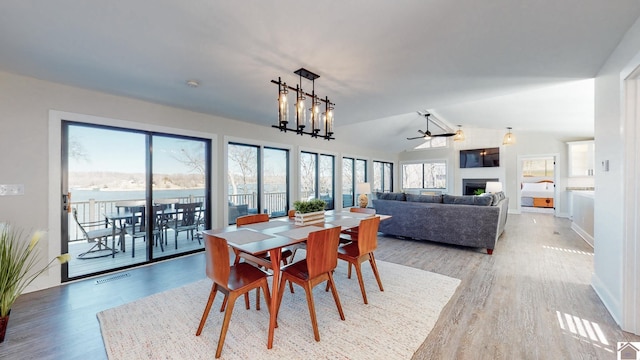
609, 301
583, 234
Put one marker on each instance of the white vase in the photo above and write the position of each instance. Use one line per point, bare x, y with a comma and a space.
309, 218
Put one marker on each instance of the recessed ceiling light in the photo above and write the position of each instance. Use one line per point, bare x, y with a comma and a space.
193, 83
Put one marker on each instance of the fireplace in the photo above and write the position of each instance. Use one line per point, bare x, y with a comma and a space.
469, 186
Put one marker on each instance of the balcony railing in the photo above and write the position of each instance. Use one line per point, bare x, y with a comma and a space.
94, 210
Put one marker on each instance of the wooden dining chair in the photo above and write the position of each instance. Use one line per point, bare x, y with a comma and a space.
362, 250
352, 233
247, 220
301, 245
232, 281
317, 267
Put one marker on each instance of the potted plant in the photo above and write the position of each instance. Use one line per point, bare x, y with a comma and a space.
309, 211
18, 260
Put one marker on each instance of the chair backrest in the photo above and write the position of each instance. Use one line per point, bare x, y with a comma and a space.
189, 212
251, 219
75, 216
134, 207
158, 219
322, 251
166, 203
368, 234
217, 259
363, 210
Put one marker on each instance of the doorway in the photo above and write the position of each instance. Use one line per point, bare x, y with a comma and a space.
537, 175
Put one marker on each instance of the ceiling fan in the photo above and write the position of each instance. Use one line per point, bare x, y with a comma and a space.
427, 134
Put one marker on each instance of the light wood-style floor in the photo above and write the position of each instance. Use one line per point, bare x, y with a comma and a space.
531, 299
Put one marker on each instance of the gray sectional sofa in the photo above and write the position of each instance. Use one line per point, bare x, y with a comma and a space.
474, 221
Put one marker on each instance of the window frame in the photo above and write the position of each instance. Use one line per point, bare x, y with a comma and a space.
423, 163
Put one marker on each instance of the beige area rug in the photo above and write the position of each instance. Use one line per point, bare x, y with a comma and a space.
392, 326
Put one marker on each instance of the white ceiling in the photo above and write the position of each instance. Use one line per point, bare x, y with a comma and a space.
481, 64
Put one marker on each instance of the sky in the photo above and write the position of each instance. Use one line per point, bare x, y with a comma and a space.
124, 151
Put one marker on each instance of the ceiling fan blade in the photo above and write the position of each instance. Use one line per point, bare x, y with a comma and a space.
443, 135
417, 137
421, 132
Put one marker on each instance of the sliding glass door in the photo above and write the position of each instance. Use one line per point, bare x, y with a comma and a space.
133, 196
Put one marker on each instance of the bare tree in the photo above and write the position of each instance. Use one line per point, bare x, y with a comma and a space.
243, 159
193, 157
77, 150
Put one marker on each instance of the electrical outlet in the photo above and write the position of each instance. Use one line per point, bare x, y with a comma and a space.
11, 189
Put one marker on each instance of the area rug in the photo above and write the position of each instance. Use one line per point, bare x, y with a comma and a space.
392, 326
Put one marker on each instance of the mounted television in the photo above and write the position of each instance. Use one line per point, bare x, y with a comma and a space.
489, 157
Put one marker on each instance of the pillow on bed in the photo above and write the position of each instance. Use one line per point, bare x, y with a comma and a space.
534, 186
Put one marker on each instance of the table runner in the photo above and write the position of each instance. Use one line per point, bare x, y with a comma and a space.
299, 233
243, 236
265, 225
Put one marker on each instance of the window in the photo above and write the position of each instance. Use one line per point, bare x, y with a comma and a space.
258, 180
427, 175
242, 173
361, 171
382, 176
275, 175
537, 167
354, 171
435, 142
317, 177
348, 181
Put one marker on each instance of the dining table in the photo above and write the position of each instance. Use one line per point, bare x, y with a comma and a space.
271, 237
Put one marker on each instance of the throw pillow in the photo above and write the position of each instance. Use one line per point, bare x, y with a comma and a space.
424, 198
453, 199
467, 200
391, 196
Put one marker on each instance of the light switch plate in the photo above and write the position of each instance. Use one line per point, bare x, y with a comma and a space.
11, 189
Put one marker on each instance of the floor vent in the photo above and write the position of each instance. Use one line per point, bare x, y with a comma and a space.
556, 233
112, 278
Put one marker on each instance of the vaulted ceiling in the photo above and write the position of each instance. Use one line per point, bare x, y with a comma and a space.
480, 64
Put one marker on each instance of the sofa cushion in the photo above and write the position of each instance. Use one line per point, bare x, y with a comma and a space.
467, 200
391, 196
424, 198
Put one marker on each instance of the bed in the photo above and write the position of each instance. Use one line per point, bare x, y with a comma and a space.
537, 194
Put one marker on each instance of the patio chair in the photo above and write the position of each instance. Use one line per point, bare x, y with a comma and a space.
157, 226
188, 218
134, 225
97, 232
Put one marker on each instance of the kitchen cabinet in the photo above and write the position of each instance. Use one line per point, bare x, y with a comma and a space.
581, 158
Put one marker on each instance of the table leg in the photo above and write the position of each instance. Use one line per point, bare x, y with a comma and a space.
275, 256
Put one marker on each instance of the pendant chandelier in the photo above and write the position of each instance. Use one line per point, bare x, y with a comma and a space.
508, 138
459, 136
317, 120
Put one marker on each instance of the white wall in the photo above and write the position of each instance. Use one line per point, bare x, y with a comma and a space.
25, 104
610, 144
